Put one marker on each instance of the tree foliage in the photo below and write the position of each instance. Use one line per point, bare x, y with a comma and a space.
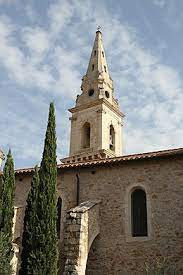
40, 249
6, 214
5, 267
30, 235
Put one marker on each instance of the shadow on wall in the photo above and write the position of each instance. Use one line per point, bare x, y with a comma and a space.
92, 266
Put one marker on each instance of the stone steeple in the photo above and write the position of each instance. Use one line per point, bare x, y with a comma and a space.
96, 119
97, 82
97, 67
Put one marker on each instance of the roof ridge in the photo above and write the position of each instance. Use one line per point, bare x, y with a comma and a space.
152, 154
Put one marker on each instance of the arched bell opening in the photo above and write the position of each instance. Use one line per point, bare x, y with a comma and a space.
111, 138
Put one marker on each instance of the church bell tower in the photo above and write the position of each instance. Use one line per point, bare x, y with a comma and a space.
96, 120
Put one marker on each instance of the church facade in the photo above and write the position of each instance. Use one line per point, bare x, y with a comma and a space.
116, 214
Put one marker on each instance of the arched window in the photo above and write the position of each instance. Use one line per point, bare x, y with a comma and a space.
59, 209
86, 135
139, 213
112, 138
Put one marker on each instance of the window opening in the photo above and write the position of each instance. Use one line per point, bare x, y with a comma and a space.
107, 94
103, 54
93, 67
86, 135
95, 52
139, 213
105, 69
91, 92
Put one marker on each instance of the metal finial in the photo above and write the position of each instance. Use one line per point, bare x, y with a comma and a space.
99, 28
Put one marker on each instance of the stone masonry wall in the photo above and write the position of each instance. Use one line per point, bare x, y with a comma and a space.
82, 226
114, 251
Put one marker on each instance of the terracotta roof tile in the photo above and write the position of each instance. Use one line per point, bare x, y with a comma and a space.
149, 155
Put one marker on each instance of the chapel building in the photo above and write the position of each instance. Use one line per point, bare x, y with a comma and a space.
117, 214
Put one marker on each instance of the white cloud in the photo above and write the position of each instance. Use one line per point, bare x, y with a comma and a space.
54, 58
36, 39
19, 66
32, 15
60, 14
159, 3
172, 14
67, 63
8, 2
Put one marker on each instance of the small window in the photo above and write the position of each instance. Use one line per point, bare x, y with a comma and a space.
107, 94
105, 69
93, 67
95, 52
103, 54
59, 209
91, 92
138, 213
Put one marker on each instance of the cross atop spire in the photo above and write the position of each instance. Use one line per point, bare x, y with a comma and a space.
98, 28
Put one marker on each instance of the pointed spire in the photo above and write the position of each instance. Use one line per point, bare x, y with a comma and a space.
97, 83
97, 67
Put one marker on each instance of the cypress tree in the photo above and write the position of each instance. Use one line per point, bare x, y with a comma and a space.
47, 199
41, 254
6, 214
5, 267
30, 236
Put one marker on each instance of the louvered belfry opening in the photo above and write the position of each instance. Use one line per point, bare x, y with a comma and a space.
139, 213
59, 209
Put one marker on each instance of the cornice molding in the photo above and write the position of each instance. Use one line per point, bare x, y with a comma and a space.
96, 103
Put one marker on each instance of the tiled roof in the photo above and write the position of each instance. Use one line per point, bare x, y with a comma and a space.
149, 155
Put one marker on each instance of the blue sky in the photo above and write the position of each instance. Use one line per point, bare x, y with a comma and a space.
44, 52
